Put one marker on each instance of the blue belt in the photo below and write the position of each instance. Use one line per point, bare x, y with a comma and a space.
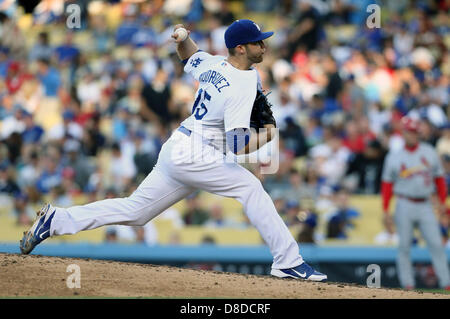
185, 131
188, 132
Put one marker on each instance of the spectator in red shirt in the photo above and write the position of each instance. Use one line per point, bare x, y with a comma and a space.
15, 77
353, 140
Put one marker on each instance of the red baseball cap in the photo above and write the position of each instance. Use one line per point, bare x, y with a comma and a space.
410, 124
14, 66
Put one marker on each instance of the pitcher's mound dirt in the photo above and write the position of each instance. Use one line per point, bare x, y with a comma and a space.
40, 276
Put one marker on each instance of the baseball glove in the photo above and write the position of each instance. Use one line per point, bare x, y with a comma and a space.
261, 112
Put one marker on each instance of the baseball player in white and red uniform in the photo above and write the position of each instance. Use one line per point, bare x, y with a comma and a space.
413, 174
193, 157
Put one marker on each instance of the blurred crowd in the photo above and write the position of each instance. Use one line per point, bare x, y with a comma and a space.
89, 118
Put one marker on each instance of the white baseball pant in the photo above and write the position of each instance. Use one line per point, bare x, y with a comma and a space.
186, 164
407, 215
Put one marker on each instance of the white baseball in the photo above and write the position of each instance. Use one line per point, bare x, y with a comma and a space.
182, 34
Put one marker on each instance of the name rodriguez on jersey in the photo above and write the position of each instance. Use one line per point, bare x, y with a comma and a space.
215, 78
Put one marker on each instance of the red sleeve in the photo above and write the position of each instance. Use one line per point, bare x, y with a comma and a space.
386, 193
441, 188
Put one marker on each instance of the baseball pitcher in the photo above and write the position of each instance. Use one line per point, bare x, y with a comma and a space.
195, 156
413, 174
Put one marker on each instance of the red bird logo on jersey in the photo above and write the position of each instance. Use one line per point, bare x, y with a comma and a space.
422, 169
424, 161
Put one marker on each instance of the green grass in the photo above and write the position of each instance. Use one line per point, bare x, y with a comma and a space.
436, 291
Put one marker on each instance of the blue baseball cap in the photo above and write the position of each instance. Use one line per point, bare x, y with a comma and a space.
244, 31
68, 115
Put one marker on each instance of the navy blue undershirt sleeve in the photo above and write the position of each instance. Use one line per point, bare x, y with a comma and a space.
237, 139
185, 60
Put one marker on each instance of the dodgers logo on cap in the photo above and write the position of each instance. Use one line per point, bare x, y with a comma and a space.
244, 31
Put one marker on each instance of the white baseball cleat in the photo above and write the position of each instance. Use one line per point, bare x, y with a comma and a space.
39, 231
302, 271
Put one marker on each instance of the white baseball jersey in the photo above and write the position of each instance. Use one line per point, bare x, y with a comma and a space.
413, 172
219, 105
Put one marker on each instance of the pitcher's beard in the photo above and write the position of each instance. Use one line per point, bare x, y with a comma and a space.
256, 59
